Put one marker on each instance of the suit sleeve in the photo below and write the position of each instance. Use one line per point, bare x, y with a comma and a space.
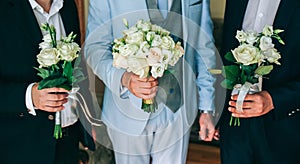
205, 60
97, 48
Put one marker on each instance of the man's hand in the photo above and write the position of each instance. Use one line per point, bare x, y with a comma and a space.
254, 105
144, 88
207, 128
49, 99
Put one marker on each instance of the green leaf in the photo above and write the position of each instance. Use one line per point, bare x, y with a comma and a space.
248, 69
43, 73
277, 31
68, 70
227, 84
264, 70
279, 39
252, 79
51, 82
231, 72
229, 56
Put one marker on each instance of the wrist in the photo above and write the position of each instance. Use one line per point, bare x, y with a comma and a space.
125, 79
207, 112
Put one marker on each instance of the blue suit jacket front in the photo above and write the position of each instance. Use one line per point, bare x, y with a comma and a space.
123, 113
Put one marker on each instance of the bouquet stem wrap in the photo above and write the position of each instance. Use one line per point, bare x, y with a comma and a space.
242, 91
149, 105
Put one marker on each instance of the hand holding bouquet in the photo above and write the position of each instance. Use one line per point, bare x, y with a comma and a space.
146, 50
252, 60
58, 67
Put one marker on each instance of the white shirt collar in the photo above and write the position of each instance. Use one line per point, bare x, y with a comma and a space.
55, 6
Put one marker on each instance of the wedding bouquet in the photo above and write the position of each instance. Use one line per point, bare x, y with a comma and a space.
252, 60
58, 67
146, 50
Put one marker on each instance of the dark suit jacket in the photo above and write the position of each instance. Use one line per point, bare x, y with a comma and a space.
282, 123
24, 136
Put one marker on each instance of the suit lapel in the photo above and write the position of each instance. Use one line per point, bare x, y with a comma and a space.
26, 17
70, 18
284, 13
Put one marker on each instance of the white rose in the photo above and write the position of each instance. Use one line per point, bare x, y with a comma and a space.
144, 50
166, 56
157, 70
173, 61
68, 51
117, 44
241, 36
268, 30
131, 30
138, 66
167, 43
120, 61
128, 49
157, 41
150, 36
143, 25
136, 37
160, 30
48, 57
178, 50
272, 55
156, 28
144, 47
251, 37
247, 54
265, 43
155, 56
45, 45
47, 38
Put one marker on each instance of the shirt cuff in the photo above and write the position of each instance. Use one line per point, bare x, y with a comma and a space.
124, 92
28, 100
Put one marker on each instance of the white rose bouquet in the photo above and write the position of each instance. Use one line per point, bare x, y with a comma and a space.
58, 67
146, 50
253, 59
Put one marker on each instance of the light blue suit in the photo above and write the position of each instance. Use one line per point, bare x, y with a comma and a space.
121, 109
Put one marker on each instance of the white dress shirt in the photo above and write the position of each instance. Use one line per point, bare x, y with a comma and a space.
260, 13
68, 115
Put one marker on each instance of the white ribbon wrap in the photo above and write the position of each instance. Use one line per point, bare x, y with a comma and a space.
242, 91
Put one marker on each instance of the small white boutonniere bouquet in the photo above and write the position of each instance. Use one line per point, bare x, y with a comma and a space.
252, 60
146, 50
58, 67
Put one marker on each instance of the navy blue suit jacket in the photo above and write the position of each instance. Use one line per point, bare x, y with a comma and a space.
24, 138
281, 124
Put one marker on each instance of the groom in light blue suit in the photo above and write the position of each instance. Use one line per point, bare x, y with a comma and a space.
163, 136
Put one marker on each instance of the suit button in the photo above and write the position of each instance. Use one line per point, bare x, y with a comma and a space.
21, 115
293, 112
50, 117
290, 114
297, 110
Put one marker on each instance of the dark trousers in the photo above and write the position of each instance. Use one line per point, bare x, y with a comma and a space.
67, 148
245, 144
29, 140
26, 139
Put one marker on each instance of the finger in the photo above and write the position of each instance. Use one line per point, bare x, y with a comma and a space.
151, 78
210, 135
248, 97
56, 96
202, 132
216, 135
244, 115
56, 103
148, 84
54, 90
246, 104
52, 109
145, 91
